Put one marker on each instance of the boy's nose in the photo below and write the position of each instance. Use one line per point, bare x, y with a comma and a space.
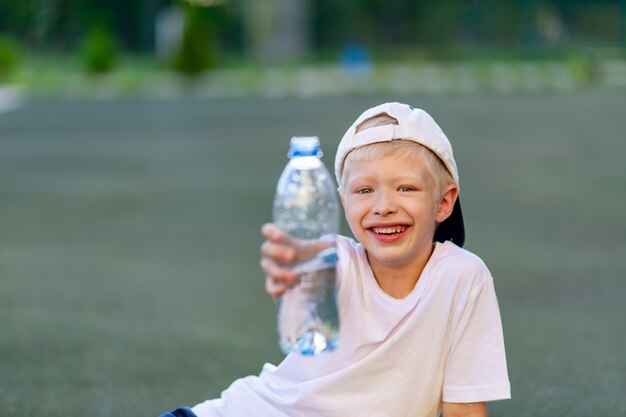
384, 204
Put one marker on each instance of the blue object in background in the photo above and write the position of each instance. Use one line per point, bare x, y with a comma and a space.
356, 60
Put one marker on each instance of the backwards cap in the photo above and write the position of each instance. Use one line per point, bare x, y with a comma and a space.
414, 125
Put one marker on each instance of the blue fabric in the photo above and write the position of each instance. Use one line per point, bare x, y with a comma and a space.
180, 412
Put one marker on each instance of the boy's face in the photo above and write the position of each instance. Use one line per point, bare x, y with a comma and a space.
390, 207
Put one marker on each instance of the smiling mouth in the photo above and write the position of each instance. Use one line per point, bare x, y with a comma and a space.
392, 230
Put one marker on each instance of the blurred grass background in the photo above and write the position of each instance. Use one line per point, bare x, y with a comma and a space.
129, 250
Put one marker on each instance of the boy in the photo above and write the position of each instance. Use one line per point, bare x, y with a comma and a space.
420, 326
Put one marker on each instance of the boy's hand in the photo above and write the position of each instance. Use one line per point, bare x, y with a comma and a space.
280, 252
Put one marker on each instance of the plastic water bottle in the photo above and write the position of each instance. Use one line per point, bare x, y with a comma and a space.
306, 207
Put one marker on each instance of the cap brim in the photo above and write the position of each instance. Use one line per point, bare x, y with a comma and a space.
453, 228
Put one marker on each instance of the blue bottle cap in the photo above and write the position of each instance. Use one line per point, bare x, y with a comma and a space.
304, 146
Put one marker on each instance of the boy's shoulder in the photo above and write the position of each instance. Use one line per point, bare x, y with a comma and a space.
450, 268
453, 261
347, 243
446, 257
457, 255
350, 250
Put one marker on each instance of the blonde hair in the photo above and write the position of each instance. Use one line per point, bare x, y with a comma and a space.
439, 174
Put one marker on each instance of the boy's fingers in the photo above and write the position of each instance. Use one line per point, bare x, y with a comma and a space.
279, 248
274, 234
277, 252
271, 231
275, 273
274, 288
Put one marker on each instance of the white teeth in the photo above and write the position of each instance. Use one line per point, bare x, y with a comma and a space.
388, 230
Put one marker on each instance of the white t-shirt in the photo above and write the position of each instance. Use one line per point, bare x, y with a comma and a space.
397, 357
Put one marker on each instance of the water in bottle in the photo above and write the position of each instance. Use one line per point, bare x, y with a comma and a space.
306, 207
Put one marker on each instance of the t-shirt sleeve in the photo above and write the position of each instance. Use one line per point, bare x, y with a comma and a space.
476, 368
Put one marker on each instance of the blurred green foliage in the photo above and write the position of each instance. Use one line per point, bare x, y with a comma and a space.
10, 57
99, 51
454, 27
433, 29
196, 53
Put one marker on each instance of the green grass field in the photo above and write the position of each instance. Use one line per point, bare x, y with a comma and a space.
129, 239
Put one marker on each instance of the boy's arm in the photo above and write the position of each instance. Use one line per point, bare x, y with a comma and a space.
464, 409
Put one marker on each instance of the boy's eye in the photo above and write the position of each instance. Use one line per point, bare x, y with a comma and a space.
406, 188
364, 191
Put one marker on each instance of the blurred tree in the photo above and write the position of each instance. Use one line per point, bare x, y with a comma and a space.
196, 53
58, 24
99, 51
623, 23
9, 58
440, 25
277, 30
290, 27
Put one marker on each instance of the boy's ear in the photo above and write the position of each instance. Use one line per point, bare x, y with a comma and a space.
446, 204
343, 203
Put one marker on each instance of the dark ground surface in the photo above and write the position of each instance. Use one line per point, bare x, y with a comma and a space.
129, 243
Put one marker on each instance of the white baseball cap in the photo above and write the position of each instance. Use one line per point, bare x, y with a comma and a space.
415, 125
